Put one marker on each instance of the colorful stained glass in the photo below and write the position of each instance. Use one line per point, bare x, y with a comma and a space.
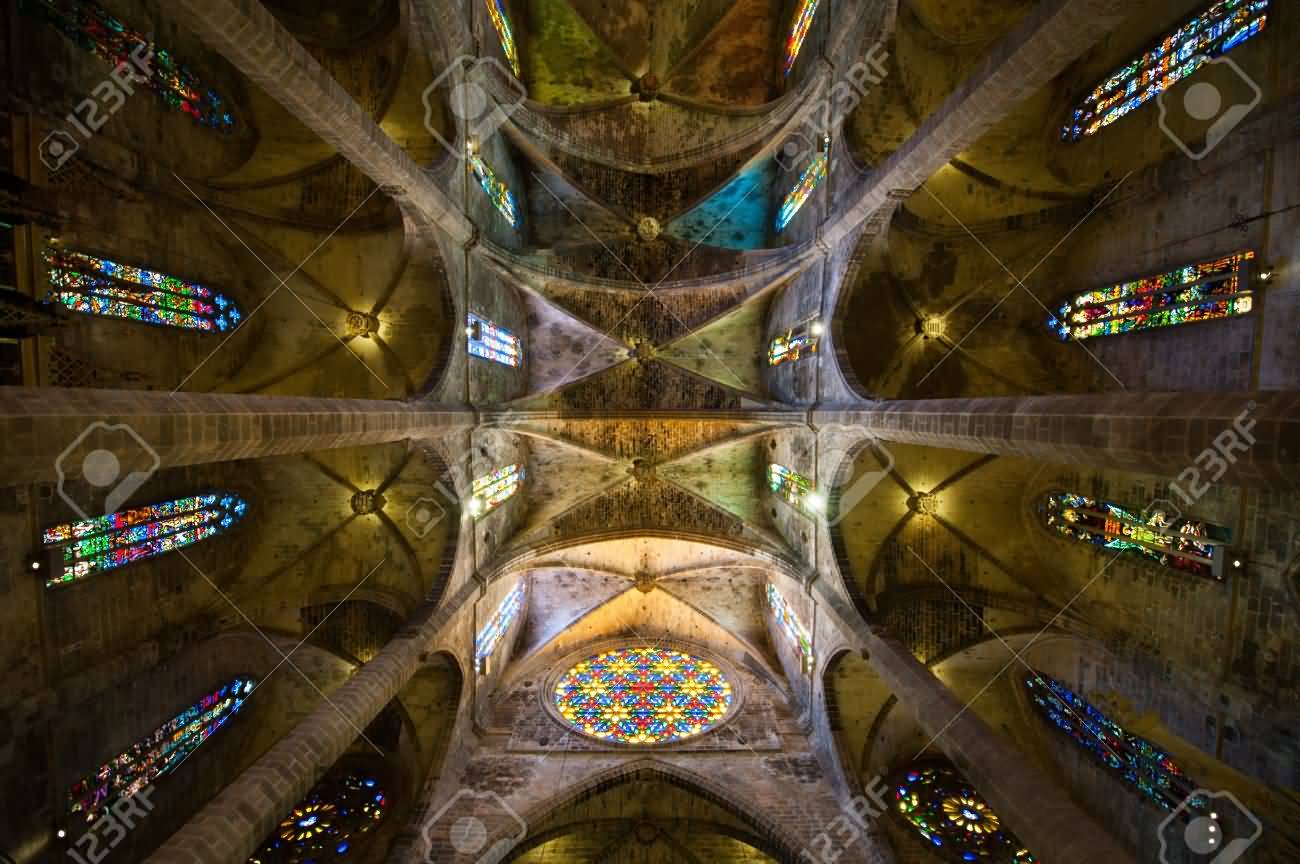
1180, 543
92, 28
492, 490
1146, 767
953, 818
501, 21
159, 753
97, 286
326, 825
803, 18
792, 487
495, 188
1221, 27
789, 622
796, 343
499, 624
809, 180
106, 542
1200, 292
491, 342
643, 696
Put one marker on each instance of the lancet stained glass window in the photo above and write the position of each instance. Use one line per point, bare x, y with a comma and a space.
492, 490
1217, 30
501, 21
159, 753
796, 343
491, 342
1146, 767
953, 818
326, 825
494, 187
793, 488
803, 18
789, 623
91, 27
499, 624
1199, 292
106, 542
808, 182
97, 286
643, 696
1177, 542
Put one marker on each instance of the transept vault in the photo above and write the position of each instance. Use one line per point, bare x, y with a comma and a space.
681, 431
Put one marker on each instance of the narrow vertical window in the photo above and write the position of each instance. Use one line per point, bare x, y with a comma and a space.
808, 182
107, 542
791, 626
803, 18
1208, 34
492, 490
495, 188
798, 342
1176, 542
97, 286
501, 21
485, 644
159, 753
1199, 292
491, 342
92, 28
793, 488
1145, 767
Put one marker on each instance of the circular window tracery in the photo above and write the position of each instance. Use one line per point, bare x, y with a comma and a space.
643, 696
953, 817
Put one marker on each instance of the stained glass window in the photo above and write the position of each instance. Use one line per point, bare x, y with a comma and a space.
326, 825
1221, 27
790, 624
92, 28
1177, 542
796, 343
107, 542
809, 180
501, 21
159, 753
643, 696
492, 490
97, 286
1146, 767
494, 187
499, 624
803, 18
953, 818
1200, 292
793, 488
491, 342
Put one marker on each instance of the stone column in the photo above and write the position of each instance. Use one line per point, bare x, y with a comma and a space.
1052, 35
1252, 438
254, 41
46, 429
231, 826
1040, 813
